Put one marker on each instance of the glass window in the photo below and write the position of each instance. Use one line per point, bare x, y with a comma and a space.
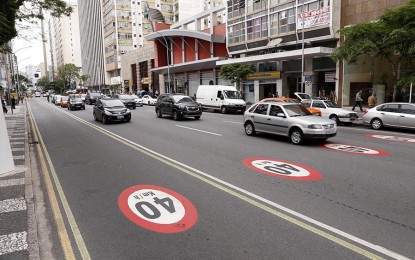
249, 29
394, 108
296, 110
261, 109
274, 24
318, 104
264, 26
275, 110
408, 109
283, 22
257, 28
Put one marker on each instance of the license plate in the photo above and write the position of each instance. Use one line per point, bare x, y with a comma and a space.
120, 117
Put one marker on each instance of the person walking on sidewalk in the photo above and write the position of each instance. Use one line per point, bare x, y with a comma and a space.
358, 101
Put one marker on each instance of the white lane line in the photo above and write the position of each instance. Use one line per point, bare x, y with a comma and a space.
194, 129
233, 122
18, 157
11, 182
10, 205
17, 149
13, 242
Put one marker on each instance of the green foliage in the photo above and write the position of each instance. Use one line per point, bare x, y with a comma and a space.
67, 73
83, 79
43, 82
26, 10
236, 72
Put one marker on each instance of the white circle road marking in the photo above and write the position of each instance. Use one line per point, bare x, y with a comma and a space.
354, 149
394, 138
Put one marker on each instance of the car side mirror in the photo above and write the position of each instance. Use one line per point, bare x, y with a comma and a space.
281, 115
221, 97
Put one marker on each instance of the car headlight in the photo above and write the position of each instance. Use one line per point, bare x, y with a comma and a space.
182, 107
107, 112
128, 111
314, 126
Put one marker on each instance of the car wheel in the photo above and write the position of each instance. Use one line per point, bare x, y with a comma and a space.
376, 123
335, 119
197, 117
249, 129
159, 114
104, 120
296, 136
83, 108
223, 110
175, 116
148, 103
95, 117
128, 120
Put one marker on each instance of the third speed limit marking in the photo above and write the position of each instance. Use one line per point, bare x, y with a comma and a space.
394, 138
157, 208
354, 149
283, 169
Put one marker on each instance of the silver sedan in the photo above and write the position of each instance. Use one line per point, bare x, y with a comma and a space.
287, 119
392, 115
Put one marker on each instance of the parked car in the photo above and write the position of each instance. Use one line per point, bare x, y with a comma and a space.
330, 110
57, 99
64, 101
287, 119
392, 115
178, 106
149, 100
37, 93
313, 110
126, 99
110, 110
75, 103
91, 98
83, 97
219, 97
138, 100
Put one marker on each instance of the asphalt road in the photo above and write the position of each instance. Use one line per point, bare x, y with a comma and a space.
347, 206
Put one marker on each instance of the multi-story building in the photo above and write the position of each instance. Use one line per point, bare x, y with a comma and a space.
67, 47
92, 43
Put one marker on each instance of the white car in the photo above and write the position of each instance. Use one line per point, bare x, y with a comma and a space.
37, 94
149, 100
138, 100
391, 115
330, 110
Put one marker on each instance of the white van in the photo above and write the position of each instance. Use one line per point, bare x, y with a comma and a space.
220, 97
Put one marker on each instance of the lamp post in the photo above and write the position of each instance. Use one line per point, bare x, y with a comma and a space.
17, 66
302, 50
167, 57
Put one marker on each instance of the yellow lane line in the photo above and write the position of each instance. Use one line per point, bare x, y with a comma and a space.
62, 232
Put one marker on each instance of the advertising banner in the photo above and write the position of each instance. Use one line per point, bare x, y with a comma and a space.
314, 18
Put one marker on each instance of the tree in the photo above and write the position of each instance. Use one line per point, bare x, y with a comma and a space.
83, 79
43, 82
391, 37
236, 72
66, 73
26, 10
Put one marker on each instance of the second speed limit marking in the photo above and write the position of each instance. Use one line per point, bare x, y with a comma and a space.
282, 169
354, 149
394, 138
157, 208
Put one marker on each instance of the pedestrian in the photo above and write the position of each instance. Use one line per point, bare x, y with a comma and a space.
157, 92
13, 104
358, 100
3, 104
372, 100
333, 96
47, 97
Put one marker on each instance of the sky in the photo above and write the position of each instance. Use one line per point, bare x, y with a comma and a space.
29, 36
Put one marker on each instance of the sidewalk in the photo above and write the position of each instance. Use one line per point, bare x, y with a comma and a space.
18, 239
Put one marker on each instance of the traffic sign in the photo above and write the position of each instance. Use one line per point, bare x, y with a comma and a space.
394, 138
157, 208
354, 149
282, 169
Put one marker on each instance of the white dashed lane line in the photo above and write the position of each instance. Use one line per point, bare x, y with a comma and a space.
198, 130
11, 205
13, 242
12, 182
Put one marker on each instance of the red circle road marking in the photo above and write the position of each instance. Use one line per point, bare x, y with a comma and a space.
157, 208
393, 138
354, 149
282, 169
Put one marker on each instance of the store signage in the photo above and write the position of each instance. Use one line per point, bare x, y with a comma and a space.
314, 18
264, 75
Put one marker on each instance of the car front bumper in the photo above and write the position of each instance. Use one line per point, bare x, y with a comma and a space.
189, 113
114, 118
319, 136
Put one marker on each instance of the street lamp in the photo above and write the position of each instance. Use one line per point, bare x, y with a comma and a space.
167, 57
302, 49
17, 67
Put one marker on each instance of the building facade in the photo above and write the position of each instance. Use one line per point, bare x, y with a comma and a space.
92, 44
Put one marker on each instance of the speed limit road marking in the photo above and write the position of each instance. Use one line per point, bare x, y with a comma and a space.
282, 169
354, 149
157, 208
394, 138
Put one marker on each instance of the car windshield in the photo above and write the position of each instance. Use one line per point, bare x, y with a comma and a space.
64, 98
296, 110
304, 95
330, 104
134, 96
182, 99
77, 99
232, 94
113, 103
125, 97
94, 94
